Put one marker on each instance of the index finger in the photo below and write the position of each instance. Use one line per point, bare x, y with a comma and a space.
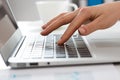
81, 17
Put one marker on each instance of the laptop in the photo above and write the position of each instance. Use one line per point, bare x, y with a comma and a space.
20, 51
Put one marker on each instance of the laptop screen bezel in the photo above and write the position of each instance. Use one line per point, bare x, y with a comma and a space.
9, 12
13, 41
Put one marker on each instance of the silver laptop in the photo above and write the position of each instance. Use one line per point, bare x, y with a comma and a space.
20, 51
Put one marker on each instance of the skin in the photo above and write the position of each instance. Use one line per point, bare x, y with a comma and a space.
86, 20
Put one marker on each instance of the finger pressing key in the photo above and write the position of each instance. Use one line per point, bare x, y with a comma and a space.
79, 19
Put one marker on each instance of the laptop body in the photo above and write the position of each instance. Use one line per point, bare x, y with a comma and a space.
20, 51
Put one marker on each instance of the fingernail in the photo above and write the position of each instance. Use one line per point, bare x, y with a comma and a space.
82, 30
60, 42
43, 27
42, 32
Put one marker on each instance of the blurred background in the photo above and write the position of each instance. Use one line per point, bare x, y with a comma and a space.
25, 10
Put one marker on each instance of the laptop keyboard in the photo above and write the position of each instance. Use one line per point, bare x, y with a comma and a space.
81, 47
46, 47
49, 47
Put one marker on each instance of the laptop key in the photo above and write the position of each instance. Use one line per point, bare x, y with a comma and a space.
60, 50
38, 47
34, 47
82, 48
72, 53
29, 47
49, 47
84, 52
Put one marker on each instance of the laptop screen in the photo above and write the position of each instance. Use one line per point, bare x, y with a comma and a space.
10, 34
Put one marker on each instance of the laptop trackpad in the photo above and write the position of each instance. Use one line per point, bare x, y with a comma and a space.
105, 47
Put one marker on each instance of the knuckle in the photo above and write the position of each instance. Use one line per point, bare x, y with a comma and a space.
63, 19
62, 14
85, 10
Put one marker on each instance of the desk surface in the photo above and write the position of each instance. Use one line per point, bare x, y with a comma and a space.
34, 27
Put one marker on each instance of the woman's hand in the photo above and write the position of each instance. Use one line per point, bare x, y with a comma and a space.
100, 17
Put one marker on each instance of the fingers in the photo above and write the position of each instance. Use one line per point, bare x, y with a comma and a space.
46, 25
57, 22
98, 23
81, 17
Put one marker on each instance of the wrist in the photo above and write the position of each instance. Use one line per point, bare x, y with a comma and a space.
115, 6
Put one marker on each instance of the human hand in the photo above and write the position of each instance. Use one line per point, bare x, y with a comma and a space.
100, 17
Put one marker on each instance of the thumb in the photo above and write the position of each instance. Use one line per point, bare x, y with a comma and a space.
92, 26
86, 29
